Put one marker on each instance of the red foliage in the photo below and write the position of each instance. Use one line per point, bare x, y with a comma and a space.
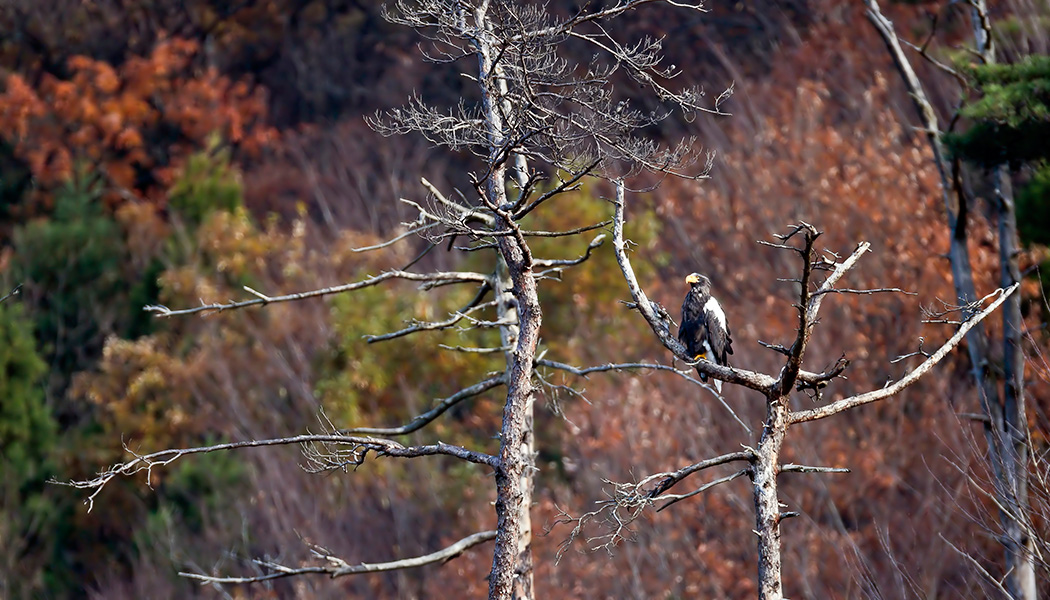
134, 123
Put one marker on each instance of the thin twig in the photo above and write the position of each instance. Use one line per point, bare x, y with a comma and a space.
977, 565
13, 292
685, 374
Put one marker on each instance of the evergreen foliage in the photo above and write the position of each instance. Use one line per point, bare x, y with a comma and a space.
1012, 116
208, 183
28, 512
70, 265
1033, 207
1011, 125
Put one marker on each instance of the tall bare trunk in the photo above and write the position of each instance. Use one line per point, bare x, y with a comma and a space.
507, 310
1006, 426
1013, 435
1008, 433
511, 576
767, 503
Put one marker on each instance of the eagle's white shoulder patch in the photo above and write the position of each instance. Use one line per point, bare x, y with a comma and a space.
714, 309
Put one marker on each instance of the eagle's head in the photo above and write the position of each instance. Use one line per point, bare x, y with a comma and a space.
699, 282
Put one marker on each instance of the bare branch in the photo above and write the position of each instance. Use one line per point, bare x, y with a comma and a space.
584, 372
475, 350
395, 239
456, 317
566, 233
685, 374
807, 380
910, 378
563, 186
873, 291
778, 348
613, 11
464, 212
327, 455
337, 567
569, 262
810, 301
671, 479
442, 406
428, 280
626, 502
13, 292
920, 352
674, 498
361, 446
792, 468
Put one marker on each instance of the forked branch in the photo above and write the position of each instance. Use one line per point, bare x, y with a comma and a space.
913, 376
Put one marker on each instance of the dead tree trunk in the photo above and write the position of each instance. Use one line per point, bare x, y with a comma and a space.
511, 564
507, 311
1011, 428
511, 575
767, 504
1011, 434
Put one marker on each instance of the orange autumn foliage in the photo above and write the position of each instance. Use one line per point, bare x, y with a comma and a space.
135, 123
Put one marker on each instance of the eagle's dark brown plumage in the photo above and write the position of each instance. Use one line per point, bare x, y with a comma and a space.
704, 331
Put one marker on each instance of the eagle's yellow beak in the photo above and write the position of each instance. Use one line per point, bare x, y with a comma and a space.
692, 278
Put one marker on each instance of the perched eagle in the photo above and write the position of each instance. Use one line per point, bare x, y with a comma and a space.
704, 330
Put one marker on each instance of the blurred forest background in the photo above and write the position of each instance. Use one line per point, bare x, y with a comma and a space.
177, 150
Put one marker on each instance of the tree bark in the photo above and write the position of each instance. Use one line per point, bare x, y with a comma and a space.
507, 311
1012, 438
511, 576
767, 503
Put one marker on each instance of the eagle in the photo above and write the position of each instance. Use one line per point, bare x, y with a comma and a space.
704, 330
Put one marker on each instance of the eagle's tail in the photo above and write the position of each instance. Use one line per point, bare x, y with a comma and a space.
704, 378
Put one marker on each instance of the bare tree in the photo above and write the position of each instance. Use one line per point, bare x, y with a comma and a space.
761, 464
536, 124
1005, 420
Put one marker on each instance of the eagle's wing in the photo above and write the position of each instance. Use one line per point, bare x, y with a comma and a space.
693, 330
717, 332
